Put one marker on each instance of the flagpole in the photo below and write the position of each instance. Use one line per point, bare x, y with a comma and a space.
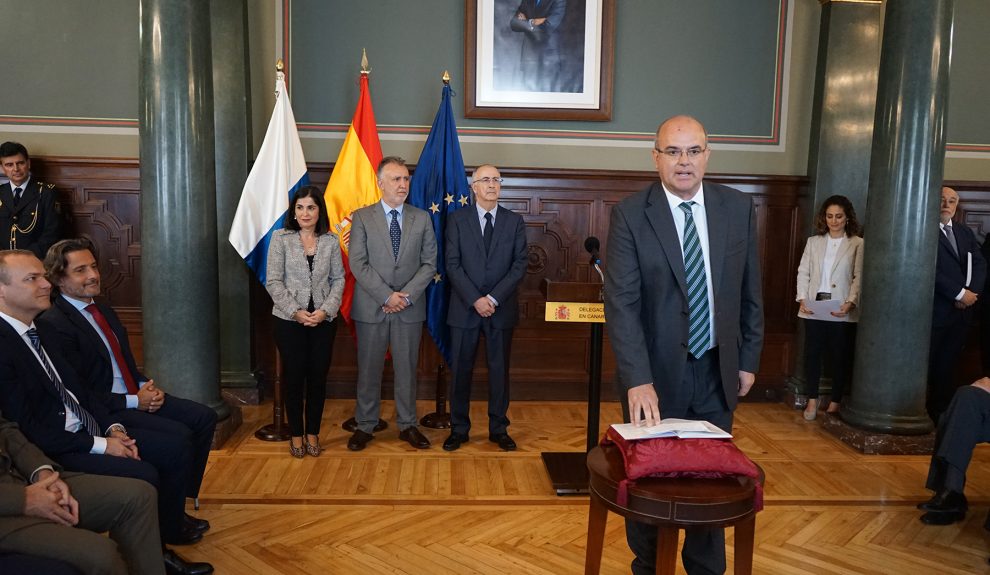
277, 430
439, 419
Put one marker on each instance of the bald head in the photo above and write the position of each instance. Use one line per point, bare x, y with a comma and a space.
950, 201
680, 154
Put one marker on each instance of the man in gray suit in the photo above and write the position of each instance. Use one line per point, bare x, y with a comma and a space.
684, 306
39, 505
486, 260
393, 256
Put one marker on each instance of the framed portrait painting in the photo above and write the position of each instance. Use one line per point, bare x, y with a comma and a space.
539, 59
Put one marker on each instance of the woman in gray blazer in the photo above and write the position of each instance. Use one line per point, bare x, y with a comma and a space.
831, 269
306, 281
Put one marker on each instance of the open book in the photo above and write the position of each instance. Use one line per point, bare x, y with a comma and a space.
682, 428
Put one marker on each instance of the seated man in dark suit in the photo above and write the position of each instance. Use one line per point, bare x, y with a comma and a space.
37, 501
962, 427
43, 394
96, 344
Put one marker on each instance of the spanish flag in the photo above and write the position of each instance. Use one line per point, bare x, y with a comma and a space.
353, 183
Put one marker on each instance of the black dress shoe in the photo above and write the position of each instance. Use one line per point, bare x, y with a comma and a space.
359, 440
186, 536
942, 517
945, 500
195, 524
453, 443
175, 565
503, 440
413, 437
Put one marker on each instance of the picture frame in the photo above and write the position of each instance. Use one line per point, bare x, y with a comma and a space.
555, 66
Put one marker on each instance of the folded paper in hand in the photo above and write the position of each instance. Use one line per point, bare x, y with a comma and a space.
682, 428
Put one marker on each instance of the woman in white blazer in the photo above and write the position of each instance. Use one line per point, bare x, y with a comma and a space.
831, 270
305, 277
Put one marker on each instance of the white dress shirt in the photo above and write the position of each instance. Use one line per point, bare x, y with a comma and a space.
701, 225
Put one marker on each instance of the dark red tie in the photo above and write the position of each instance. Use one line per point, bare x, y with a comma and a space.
118, 354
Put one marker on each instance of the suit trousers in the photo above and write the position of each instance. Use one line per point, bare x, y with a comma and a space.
463, 348
704, 549
374, 339
124, 507
306, 355
165, 463
831, 340
188, 422
945, 349
962, 427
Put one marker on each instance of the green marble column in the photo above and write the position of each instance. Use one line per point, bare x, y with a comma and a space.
902, 218
841, 122
178, 200
232, 116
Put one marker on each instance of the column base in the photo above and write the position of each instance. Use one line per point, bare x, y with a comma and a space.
876, 442
227, 426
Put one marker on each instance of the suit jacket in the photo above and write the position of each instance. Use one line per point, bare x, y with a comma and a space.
291, 284
33, 223
950, 275
378, 273
846, 273
646, 306
28, 397
18, 460
473, 273
83, 348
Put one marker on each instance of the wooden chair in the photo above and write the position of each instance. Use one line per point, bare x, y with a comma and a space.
670, 504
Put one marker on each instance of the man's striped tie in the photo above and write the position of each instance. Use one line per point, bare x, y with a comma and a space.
87, 419
699, 333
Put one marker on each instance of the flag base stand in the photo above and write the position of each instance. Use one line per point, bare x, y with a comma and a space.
273, 432
351, 425
440, 419
277, 430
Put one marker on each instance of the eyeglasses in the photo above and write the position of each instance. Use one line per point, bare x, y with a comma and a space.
487, 180
674, 154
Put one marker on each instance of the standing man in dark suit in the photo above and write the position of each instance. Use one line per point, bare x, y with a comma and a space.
684, 306
393, 255
486, 260
28, 219
96, 344
960, 273
40, 503
541, 57
41, 392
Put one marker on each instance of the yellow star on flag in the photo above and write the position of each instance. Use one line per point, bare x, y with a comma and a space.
449, 199
434, 208
437, 278
463, 200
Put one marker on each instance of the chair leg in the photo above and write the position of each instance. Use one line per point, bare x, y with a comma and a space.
597, 518
743, 546
666, 550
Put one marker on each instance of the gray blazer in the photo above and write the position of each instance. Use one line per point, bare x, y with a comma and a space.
378, 274
646, 306
290, 282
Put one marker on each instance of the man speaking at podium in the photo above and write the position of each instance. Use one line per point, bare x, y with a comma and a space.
684, 307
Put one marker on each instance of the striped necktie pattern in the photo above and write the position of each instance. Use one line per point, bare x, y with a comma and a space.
87, 419
699, 332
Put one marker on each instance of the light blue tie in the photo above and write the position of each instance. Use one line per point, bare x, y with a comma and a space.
84, 416
699, 332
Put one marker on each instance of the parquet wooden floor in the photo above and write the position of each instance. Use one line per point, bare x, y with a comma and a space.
391, 509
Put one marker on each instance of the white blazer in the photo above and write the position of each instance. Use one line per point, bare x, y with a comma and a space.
847, 271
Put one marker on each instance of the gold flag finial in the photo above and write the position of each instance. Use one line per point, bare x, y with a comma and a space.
446, 77
280, 65
364, 62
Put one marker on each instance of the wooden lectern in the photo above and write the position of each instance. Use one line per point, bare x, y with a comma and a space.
579, 302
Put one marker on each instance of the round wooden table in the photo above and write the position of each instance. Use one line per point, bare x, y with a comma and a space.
670, 504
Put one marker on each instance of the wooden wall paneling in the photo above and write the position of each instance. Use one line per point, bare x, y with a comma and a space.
100, 199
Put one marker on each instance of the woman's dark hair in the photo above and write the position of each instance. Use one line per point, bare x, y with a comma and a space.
322, 223
852, 224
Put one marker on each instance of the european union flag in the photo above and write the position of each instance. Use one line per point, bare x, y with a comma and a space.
440, 186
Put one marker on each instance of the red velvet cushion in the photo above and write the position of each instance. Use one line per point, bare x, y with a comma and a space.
673, 457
